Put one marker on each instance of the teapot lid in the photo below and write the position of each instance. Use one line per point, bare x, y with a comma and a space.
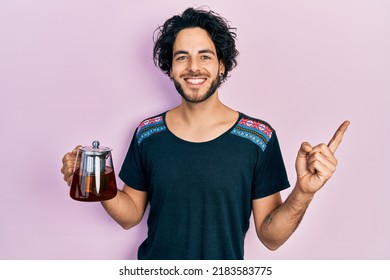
96, 149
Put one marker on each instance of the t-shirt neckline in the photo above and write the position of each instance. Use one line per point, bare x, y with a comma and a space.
216, 139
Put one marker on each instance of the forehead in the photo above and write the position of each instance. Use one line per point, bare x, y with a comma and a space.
193, 38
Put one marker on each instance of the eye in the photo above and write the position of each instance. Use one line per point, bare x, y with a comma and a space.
205, 57
182, 57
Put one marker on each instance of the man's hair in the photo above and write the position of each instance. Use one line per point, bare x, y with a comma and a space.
222, 35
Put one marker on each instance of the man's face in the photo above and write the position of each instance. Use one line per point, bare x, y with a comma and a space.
195, 66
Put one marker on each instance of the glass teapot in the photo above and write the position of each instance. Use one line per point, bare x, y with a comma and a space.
94, 176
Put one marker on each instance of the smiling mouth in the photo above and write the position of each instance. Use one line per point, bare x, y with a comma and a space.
194, 81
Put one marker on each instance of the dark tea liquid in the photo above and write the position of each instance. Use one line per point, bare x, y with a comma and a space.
90, 188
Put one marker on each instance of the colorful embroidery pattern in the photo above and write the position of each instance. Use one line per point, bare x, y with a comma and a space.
149, 127
256, 131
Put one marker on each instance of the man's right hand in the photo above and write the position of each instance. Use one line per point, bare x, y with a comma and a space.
68, 162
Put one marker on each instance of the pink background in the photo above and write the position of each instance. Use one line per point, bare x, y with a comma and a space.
75, 71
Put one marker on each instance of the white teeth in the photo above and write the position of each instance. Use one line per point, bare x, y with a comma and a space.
195, 81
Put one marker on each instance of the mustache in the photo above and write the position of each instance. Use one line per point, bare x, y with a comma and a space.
192, 74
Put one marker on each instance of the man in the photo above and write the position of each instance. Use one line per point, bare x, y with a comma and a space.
203, 166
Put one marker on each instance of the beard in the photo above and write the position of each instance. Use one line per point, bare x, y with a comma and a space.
198, 98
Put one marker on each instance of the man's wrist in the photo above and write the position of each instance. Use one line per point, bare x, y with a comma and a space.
300, 195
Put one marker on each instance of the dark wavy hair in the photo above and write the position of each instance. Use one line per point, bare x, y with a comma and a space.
222, 35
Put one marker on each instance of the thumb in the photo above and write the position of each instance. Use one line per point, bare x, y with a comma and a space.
76, 149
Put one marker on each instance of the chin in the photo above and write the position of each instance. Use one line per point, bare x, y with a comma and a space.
198, 98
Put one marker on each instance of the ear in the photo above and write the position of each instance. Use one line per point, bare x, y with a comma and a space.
221, 67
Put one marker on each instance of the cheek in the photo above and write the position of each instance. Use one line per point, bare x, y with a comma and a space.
176, 69
172, 73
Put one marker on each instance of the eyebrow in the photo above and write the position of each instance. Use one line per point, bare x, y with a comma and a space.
200, 52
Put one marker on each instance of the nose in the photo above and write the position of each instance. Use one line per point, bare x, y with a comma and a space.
193, 65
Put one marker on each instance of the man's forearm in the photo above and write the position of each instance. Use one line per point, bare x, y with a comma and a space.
282, 222
123, 210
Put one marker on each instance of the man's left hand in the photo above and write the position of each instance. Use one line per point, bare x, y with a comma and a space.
315, 165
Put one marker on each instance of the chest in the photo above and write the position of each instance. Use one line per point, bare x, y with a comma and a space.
223, 169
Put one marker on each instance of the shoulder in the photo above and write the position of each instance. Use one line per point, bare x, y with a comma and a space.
256, 130
256, 125
150, 126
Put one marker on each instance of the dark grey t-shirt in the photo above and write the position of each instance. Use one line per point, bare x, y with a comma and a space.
201, 194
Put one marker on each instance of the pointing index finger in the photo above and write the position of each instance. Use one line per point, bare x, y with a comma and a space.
338, 136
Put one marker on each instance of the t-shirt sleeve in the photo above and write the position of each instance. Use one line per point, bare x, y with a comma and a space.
132, 172
270, 174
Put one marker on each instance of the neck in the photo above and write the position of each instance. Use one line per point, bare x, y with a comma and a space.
203, 112
200, 122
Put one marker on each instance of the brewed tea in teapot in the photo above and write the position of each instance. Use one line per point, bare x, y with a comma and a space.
94, 176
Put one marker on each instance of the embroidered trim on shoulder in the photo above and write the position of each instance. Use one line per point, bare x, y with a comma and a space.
149, 127
256, 131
